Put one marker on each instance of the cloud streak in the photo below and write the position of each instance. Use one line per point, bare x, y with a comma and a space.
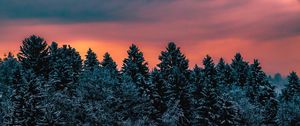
70, 11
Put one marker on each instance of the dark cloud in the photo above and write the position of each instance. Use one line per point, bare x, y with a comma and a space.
74, 10
193, 20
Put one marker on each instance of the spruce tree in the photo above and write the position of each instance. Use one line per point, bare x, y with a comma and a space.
53, 56
135, 71
159, 90
34, 55
34, 99
136, 68
66, 67
133, 106
209, 106
7, 69
239, 70
109, 63
209, 72
224, 73
17, 115
262, 94
174, 70
229, 115
96, 94
91, 60
292, 88
197, 79
255, 80
135, 63
289, 110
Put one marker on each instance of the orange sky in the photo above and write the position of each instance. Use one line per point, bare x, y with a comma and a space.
265, 29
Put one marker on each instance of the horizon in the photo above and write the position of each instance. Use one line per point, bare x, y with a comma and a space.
151, 65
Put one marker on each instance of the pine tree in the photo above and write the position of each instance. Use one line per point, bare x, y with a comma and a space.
197, 79
135, 63
174, 70
34, 55
289, 110
109, 63
47, 103
224, 73
66, 67
229, 115
261, 93
210, 72
34, 99
239, 70
8, 67
17, 115
26, 99
91, 60
97, 98
53, 56
136, 68
255, 80
159, 90
293, 87
209, 106
133, 106
61, 102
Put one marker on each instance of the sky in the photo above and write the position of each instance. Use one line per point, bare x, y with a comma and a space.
268, 30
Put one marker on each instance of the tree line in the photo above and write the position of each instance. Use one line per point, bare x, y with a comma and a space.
50, 85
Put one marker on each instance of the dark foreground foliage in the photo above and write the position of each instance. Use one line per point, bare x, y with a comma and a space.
51, 85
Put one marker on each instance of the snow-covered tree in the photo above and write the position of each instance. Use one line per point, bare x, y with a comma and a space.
34, 98
289, 109
96, 94
224, 73
8, 68
249, 113
135, 67
229, 115
174, 70
26, 99
135, 63
197, 80
159, 93
91, 60
239, 70
256, 79
133, 106
261, 93
173, 115
61, 101
66, 67
289, 112
109, 63
292, 88
208, 107
209, 73
51, 86
17, 112
34, 55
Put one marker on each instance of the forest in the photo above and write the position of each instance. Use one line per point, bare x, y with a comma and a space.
45, 84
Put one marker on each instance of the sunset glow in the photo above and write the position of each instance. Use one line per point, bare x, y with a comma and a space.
268, 30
